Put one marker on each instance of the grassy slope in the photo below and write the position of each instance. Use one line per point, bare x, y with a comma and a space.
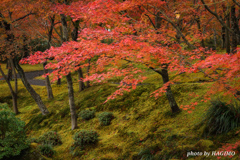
140, 121
26, 68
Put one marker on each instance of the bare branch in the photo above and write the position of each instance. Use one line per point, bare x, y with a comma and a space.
176, 27
218, 17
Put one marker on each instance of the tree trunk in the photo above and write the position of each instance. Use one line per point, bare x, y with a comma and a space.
9, 75
80, 77
47, 83
88, 70
228, 35
223, 38
15, 108
169, 94
14, 95
29, 88
74, 38
165, 77
71, 102
199, 29
215, 38
69, 79
59, 81
234, 27
64, 28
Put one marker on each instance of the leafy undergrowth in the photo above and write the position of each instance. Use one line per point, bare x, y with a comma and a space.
142, 125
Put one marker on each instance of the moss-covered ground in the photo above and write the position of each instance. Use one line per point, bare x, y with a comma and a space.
141, 122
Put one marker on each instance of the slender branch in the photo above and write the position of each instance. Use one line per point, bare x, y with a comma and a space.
151, 21
236, 3
155, 70
23, 17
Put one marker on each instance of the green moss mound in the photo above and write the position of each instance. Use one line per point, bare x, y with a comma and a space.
87, 114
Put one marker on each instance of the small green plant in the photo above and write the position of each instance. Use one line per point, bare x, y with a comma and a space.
83, 138
51, 138
87, 114
146, 154
13, 138
46, 150
105, 118
221, 118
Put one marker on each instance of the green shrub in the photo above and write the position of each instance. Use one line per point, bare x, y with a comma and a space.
87, 114
51, 138
83, 138
12, 134
46, 150
105, 118
221, 118
146, 154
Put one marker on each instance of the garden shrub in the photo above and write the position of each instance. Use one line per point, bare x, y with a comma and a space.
105, 118
51, 138
221, 118
84, 138
146, 154
13, 138
87, 114
46, 150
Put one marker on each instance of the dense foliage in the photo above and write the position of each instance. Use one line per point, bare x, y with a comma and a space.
12, 134
222, 118
105, 118
83, 138
46, 150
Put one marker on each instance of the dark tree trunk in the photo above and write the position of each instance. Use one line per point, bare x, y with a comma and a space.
29, 88
14, 95
158, 20
215, 38
71, 102
10, 73
169, 94
234, 27
165, 77
199, 29
47, 83
59, 81
64, 28
80, 77
88, 70
74, 38
75, 30
52, 19
228, 35
223, 38
15, 108
25, 47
